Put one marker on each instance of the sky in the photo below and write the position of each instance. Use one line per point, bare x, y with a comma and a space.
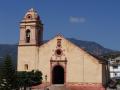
90, 20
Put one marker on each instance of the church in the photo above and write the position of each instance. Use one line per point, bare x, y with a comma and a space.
60, 61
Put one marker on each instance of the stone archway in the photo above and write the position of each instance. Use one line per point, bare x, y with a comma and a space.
58, 75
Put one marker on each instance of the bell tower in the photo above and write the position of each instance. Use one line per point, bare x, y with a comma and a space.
31, 29
31, 37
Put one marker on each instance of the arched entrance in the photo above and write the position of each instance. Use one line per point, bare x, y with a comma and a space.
58, 75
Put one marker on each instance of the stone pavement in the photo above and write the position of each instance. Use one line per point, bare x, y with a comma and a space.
57, 87
62, 87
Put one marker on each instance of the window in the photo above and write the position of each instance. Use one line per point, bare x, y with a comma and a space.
115, 67
115, 74
58, 52
59, 42
26, 67
28, 36
29, 16
117, 61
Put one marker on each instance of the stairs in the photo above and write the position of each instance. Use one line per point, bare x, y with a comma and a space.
57, 87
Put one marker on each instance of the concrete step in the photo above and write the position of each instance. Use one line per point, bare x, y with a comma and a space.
57, 87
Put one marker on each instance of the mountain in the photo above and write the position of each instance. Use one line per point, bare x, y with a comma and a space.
91, 47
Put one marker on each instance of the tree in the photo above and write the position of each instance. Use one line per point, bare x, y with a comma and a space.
11, 79
8, 76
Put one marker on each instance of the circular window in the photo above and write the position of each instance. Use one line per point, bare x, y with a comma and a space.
58, 52
29, 16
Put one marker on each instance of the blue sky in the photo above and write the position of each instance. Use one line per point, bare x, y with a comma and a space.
91, 20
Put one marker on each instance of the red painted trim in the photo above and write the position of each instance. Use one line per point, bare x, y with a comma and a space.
85, 86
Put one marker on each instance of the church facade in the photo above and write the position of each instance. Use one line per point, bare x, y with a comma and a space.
60, 61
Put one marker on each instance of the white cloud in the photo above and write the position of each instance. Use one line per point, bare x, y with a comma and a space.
74, 19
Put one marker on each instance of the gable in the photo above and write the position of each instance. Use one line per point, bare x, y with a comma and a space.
68, 46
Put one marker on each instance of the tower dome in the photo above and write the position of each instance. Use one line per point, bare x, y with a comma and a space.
31, 15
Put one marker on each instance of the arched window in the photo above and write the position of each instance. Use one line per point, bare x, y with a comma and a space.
26, 67
28, 36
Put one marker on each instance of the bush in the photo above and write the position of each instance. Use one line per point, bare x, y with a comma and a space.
27, 79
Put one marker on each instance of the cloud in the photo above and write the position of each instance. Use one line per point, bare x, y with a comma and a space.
74, 19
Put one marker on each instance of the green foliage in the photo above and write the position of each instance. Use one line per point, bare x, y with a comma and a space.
112, 55
7, 75
10, 79
27, 79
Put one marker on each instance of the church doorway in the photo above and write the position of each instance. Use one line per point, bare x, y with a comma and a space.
58, 75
